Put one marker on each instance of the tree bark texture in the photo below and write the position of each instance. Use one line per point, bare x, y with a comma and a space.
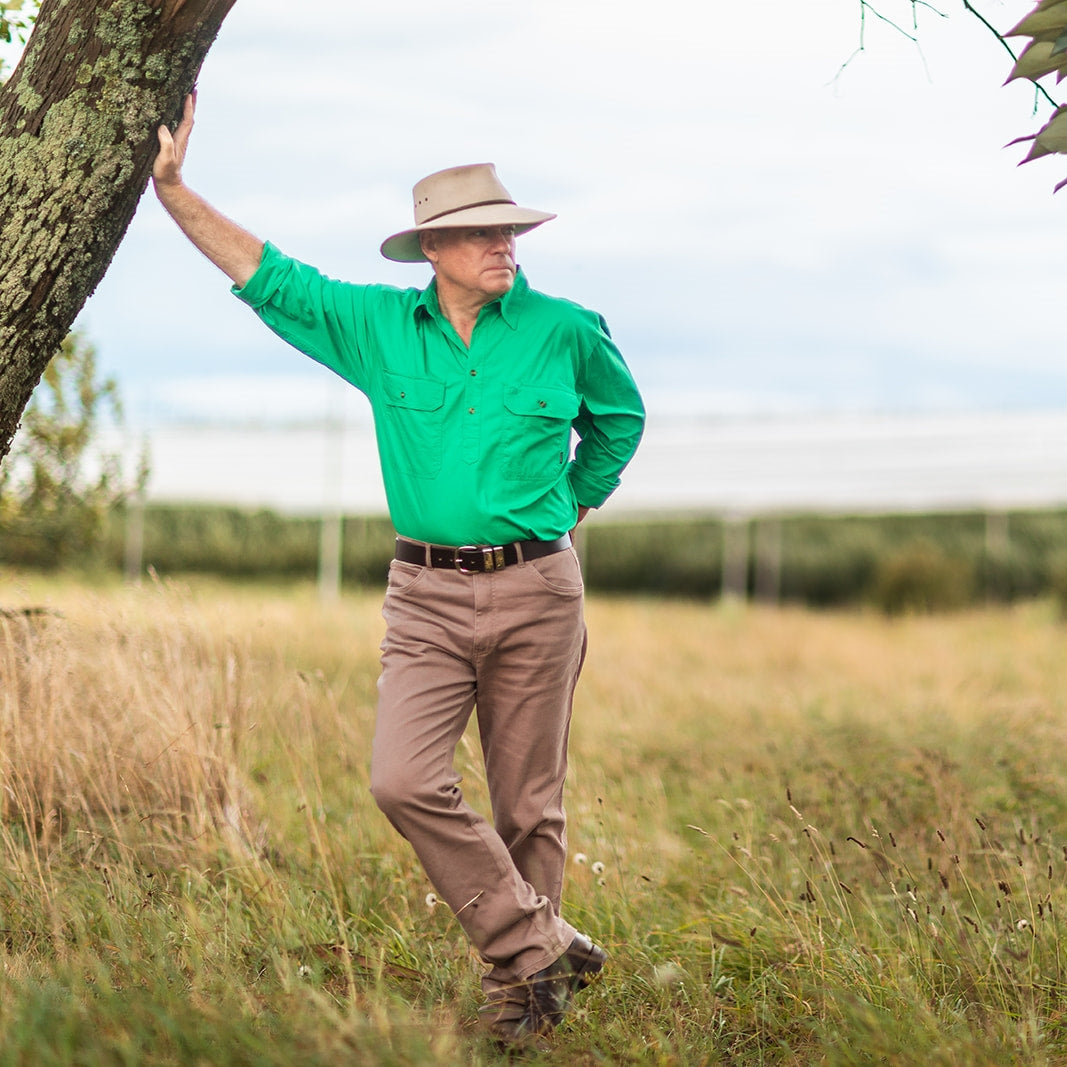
78, 121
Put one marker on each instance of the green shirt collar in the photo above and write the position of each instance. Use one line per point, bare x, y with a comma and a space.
509, 305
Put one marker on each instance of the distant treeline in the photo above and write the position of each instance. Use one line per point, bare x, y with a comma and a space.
897, 562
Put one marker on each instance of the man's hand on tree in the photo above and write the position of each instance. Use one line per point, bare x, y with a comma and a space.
167, 169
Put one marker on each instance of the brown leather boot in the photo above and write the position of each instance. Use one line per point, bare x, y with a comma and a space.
552, 989
520, 1014
507, 1016
587, 961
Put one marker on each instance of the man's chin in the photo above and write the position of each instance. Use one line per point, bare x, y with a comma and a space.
499, 281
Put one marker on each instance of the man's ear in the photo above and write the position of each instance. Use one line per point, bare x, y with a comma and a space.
428, 244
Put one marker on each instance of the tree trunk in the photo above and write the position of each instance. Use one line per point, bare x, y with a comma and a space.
78, 122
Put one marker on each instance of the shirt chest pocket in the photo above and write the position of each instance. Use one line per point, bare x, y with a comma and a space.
413, 423
538, 440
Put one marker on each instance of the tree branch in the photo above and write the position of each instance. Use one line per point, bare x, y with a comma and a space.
1039, 89
865, 7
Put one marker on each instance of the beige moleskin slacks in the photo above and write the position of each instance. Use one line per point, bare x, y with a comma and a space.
511, 642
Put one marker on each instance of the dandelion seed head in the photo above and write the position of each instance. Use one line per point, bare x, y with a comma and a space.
304, 971
431, 901
667, 974
1022, 924
581, 858
597, 868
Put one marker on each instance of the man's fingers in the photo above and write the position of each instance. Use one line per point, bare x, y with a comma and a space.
166, 155
166, 164
167, 168
188, 115
185, 127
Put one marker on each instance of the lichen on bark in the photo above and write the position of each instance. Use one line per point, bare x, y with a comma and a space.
77, 138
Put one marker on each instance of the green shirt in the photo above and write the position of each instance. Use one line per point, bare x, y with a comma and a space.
474, 444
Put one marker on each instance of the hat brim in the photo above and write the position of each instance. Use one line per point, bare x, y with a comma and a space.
404, 247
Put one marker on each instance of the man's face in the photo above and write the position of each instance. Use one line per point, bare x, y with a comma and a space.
477, 262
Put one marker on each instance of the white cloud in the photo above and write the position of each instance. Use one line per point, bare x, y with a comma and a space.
721, 196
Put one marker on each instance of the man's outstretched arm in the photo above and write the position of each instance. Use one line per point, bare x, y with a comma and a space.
232, 249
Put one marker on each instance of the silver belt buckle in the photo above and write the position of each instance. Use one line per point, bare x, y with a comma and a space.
492, 557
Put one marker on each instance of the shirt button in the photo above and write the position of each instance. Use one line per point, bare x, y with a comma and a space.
471, 410
474, 374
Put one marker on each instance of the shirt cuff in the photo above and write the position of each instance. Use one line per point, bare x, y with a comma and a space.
258, 290
590, 490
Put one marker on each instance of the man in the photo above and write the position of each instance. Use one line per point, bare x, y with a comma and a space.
477, 384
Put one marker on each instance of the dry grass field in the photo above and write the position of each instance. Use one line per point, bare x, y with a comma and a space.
805, 838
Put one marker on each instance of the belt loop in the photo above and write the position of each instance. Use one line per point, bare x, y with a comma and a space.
427, 555
519, 558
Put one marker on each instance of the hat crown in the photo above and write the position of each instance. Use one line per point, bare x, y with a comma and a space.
456, 189
470, 196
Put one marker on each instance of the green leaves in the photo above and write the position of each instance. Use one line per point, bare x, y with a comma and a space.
1046, 26
16, 22
57, 484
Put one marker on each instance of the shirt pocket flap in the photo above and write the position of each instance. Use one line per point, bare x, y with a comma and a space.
417, 394
548, 401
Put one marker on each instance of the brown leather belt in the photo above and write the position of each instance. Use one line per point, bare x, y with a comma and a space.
477, 559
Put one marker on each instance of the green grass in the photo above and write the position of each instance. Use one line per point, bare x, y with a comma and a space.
804, 838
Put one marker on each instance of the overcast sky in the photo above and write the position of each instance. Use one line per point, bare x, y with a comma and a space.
763, 230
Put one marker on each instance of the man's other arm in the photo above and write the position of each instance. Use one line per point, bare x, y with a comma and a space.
233, 250
610, 421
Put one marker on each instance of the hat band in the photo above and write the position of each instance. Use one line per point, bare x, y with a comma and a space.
464, 207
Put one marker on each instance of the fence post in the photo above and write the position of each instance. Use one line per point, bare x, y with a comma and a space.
997, 550
768, 537
735, 537
330, 547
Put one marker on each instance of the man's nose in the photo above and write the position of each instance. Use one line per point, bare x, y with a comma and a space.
501, 242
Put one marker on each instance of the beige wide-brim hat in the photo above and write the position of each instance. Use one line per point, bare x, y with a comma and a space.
460, 197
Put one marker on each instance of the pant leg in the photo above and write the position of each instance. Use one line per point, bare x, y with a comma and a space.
527, 675
528, 666
427, 689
